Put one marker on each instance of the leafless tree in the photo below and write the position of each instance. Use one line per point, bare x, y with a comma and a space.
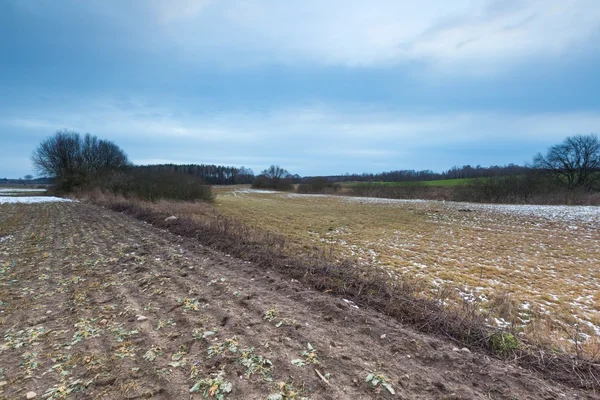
58, 155
73, 159
574, 163
101, 155
276, 173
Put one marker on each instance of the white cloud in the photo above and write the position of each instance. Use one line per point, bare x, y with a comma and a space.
481, 33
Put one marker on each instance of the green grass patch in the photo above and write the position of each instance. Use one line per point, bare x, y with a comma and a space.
441, 182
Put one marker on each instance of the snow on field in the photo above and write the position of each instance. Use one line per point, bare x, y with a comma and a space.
253, 191
306, 195
588, 214
32, 199
20, 190
381, 200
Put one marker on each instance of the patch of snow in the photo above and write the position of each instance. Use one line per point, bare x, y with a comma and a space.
5, 238
21, 190
33, 200
381, 200
467, 296
307, 195
254, 191
350, 303
502, 323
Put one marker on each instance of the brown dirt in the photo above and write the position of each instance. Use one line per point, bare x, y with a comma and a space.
75, 277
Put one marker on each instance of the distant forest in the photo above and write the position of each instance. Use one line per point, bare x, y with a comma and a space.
27, 181
209, 174
225, 175
465, 171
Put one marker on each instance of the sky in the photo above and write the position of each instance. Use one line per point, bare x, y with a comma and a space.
318, 87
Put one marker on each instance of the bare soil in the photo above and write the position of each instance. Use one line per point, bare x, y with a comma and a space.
97, 305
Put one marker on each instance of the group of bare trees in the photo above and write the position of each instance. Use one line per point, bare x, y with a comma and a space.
74, 160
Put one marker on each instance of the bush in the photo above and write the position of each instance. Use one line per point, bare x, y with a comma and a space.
318, 185
155, 185
503, 342
262, 182
274, 177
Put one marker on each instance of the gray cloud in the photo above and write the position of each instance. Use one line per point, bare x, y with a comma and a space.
490, 34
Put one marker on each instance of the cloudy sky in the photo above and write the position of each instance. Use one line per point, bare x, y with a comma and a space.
319, 87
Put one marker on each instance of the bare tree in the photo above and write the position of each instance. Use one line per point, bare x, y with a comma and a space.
28, 177
573, 163
101, 155
74, 160
276, 173
59, 155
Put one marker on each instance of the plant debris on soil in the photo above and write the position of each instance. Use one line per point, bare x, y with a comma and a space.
97, 305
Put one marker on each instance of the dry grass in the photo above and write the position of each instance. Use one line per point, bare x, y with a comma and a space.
545, 267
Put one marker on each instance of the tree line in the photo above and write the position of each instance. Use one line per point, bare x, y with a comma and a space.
409, 175
80, 161
210, 174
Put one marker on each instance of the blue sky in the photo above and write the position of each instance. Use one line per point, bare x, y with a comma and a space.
318, 87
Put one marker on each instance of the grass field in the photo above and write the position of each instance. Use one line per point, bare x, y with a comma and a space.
543, 258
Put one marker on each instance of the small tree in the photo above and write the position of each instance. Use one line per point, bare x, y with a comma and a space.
573, 163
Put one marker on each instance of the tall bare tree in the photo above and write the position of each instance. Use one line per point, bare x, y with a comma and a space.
574, 163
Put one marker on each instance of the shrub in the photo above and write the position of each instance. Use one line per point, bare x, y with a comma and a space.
275, 178
503, 342
318, 185
155, 185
